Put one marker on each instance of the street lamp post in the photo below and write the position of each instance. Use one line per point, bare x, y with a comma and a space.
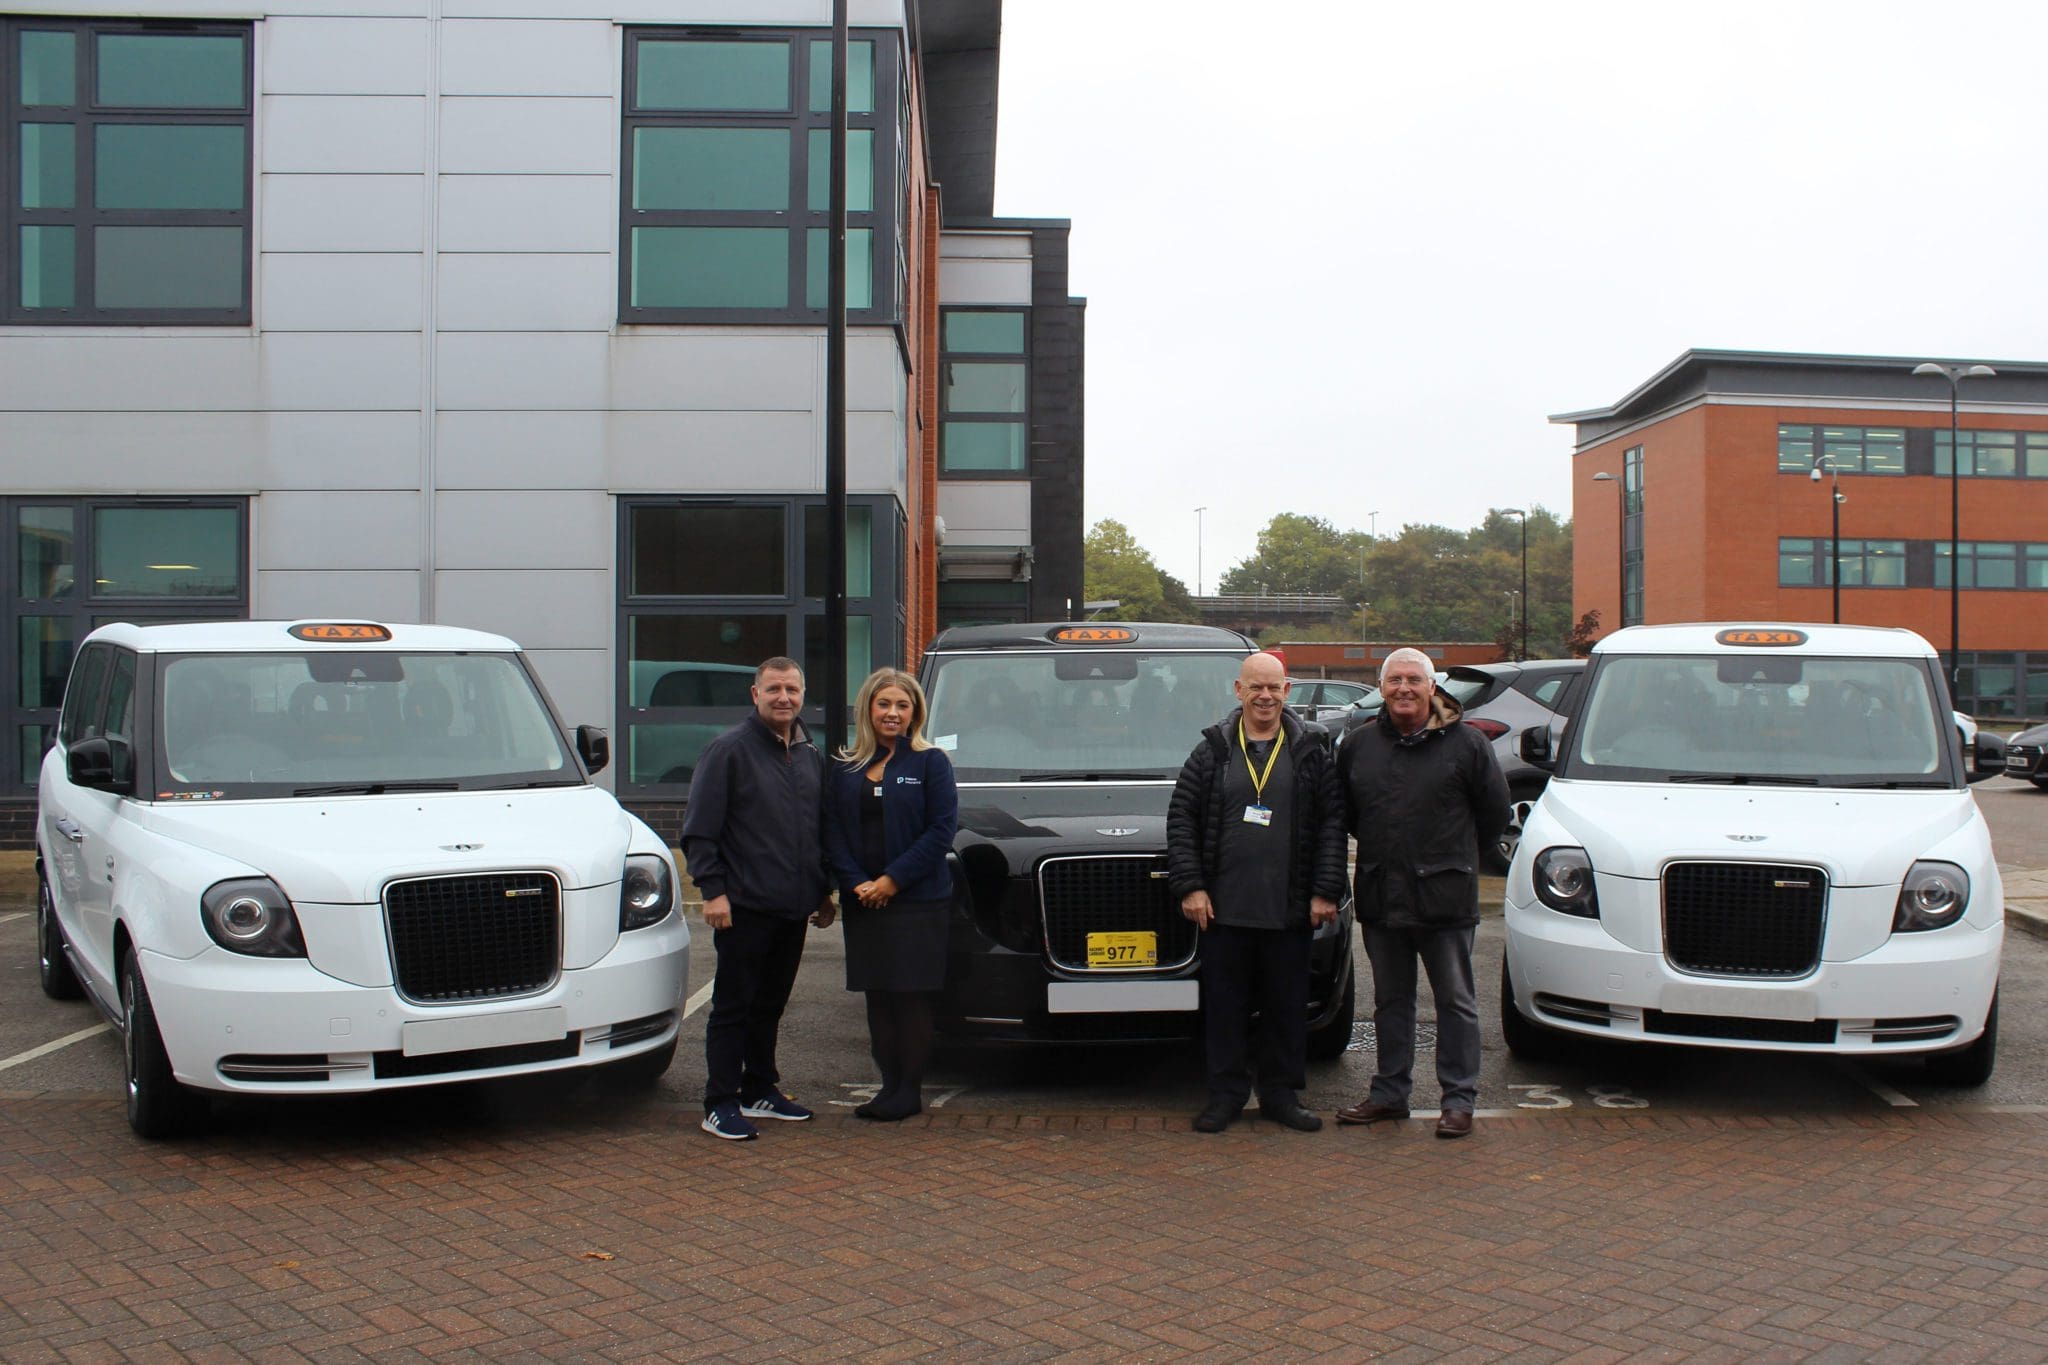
1835, 553
1524, 517
1620, 548
1198, 549
1955, 375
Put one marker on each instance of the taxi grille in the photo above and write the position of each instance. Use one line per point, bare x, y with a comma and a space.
1083, 896
474, 938
1744, 919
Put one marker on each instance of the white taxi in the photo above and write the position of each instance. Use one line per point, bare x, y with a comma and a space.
328, 857
1760, 837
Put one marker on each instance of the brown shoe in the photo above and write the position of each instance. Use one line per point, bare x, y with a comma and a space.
1454, 1123
1365, 1111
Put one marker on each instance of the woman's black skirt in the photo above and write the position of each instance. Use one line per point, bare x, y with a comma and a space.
900, 947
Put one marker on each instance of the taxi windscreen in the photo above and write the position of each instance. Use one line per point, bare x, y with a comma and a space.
1786, 718
269, 724
1081, 713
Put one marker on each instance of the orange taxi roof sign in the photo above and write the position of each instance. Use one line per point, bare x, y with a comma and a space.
339, 632
1094, 635
1770, 639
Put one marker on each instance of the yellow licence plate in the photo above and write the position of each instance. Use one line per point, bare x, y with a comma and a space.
1123, 950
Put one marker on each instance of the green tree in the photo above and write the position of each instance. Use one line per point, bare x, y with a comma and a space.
1115, 566
1300, 554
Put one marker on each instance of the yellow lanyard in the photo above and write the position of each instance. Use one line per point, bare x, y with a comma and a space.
1259, 778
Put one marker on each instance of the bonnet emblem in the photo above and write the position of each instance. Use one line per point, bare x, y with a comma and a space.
1115, 833
460, 848
1749, 838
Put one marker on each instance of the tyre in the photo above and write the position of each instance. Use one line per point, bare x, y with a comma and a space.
1497, 855
158, 1105
1331, 1039
638, 1072
1971, 1065
59, 981
1527, 1040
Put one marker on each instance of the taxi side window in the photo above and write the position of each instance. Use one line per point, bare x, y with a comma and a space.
120, 712
85, 701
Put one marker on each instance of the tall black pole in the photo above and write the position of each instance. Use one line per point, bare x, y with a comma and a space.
1835, 555
1525, 585
1621, 549
835, 404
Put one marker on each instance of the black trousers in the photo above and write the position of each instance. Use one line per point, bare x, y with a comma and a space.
757, 962
1266, 970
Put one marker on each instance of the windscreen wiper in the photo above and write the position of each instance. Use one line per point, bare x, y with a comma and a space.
1745, 779
1091, 777
536, 782
1895, 783
375, 788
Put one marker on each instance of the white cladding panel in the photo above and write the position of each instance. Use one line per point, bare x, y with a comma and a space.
303, 56
513, 370
555, 292
715, 452
558, 529
285, 595
342, 370
767, 13
130, 452
526, 136
529, 213
358, 292
540, 608
97, 372
348, 134
519, 449
330, 530
342, 213
722, 369
985, 281
986, 513
314, 450
529, 57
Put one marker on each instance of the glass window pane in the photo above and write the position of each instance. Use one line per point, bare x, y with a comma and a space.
167, 267
46, 644
860, 285
669, 753
2037, 456
49, 267
167, 552
49, 160
35, 742
977, 387
163, 166
710, 267
171, 70
859, 551
860, 77
46, 566
1001, 333
695, 74
49, 68
997, 446
708, 552
860, 631
860, 170
704, 663
1997, 454
710, 168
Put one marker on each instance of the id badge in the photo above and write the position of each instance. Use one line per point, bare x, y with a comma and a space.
1258, 815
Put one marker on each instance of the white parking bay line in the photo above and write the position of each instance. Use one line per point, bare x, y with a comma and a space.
699, 1000
1881, 1090
18, 914
66, 1041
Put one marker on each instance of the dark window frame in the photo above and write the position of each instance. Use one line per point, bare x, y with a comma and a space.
86, 115
1020, 357
1856, 552
87, 611
883, 605
886, 265
1632, 560
2024, 442
1801, 455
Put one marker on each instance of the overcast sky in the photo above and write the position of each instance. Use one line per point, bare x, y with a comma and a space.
1345, 258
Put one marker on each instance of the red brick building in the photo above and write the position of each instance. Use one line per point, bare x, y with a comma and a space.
1710, 510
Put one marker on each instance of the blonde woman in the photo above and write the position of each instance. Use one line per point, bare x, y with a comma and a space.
890, 813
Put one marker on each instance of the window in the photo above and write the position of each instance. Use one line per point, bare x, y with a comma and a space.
984, 392
126, 152
1986, 564
1865, 563
727, 175
1846, 450
185, 560
1995, 454
1632, 536
710, 588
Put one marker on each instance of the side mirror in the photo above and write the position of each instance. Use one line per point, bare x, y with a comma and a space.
1535, 748
102, 764
594, 747
1987, 757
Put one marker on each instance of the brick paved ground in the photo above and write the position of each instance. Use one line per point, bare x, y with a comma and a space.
446, 1226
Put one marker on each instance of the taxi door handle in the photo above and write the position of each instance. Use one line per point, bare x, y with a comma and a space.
70, 829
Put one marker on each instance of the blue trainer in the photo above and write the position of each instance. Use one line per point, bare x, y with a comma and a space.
774, 1105
726, 1121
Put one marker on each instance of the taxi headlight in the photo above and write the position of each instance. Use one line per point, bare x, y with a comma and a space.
252, 915
645, 893
1933, 896
1564, 881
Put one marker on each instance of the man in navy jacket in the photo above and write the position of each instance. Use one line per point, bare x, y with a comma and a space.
751, 841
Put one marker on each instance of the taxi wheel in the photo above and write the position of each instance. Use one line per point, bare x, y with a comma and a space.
641, 1071
158, 1106
59, 981
1332, 1038
1970, 1065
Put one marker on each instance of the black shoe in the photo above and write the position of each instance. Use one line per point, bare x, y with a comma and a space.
892, 1107
1217, 1115
1288, 1113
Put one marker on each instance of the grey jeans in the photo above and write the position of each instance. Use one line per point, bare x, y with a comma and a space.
1446, 955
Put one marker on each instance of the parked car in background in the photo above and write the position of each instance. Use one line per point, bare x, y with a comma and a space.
1319, 699
2026, 756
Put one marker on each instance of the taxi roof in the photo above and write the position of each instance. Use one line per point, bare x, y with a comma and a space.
1725, 637
244, 637
1129, 634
